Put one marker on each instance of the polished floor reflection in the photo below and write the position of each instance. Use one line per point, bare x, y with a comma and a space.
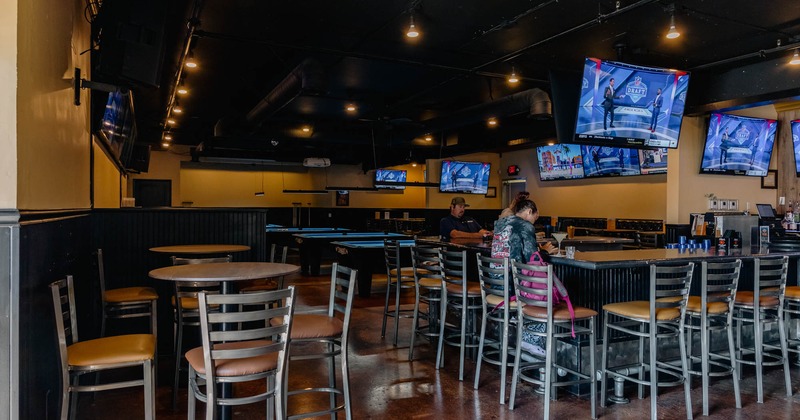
386, 385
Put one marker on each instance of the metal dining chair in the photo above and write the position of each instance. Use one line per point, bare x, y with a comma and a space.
126, 302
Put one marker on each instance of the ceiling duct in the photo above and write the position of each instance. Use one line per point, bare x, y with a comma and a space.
535, 102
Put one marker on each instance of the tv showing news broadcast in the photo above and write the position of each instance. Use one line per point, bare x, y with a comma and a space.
738, 145
464, 177
560, 161
609, 161
625, 105
390, 175
796, 143
653, 161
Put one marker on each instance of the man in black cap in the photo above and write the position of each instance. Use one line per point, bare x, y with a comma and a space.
456, 225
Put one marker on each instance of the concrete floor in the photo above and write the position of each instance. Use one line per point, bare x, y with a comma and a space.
384, 384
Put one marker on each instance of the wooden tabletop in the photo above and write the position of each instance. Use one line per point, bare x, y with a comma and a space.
200, 249
233, 271
596, 240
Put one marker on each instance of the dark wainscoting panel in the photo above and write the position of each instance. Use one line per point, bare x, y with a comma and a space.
51, 247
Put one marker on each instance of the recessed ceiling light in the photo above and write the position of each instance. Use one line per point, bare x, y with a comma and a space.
428, 137
182, 91
177, 110
171, 121
350, 108
167, 136
306, 129
492, 122
414, 164
190, 63
165, 145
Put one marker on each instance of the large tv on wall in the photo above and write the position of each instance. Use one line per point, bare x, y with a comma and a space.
653, 161
796, 143
560, 161
390, 175
464, 177
738, 145
117, 127
625, 105
609, 161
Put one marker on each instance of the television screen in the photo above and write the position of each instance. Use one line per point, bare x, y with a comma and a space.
738, 145
796, 143
560, 161
117, 126
464, 177
390, 175
653, 161
624, 105
609, 161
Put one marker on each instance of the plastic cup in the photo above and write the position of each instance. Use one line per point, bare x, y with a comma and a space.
570, 252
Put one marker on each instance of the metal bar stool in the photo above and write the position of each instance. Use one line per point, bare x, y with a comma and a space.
791, 308
463, 297
713, 311
659, 318
428, 284
397, 279
763, 306
533, 288
496, 308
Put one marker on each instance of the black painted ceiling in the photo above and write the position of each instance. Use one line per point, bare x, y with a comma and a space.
356, 51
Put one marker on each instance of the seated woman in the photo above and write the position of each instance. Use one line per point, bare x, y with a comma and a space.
508, 211
515, 238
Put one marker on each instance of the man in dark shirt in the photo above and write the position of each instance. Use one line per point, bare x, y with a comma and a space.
456, 225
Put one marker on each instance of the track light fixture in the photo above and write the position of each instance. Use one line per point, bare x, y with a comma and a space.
795, 58
412, 30
513, 79
673, 32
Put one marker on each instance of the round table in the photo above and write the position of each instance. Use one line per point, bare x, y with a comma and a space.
223, 272
200, 249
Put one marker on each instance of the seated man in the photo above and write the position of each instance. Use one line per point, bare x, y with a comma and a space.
456, 225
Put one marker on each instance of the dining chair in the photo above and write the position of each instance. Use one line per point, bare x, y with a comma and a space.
275, 256
254, 352
428, 292
106, 353
126, 302
186, 310
398, 278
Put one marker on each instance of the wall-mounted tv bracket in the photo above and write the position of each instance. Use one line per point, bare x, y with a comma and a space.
78, 84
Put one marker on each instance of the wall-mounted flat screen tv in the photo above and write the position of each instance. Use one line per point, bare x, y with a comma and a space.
609, 161
117, 126
464, 177
796, 143
560, 161
390, 175
738, 145
653, 161
624, 105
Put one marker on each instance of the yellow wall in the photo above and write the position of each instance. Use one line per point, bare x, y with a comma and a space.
106, 180
53, 141
8, 104
164, 165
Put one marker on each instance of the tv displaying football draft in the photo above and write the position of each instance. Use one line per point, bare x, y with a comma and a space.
625, 105
464, 177
796, 143
738, 145
653, 161
609, 161
390, 175
560, 161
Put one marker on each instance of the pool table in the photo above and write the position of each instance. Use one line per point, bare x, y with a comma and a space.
311, 245
281, 235
367, 257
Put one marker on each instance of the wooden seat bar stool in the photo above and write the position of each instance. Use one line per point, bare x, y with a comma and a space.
659, 318
713, 311
761, 307
533, 288
428, 288
101, 354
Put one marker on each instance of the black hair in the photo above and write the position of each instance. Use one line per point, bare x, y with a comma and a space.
525, 204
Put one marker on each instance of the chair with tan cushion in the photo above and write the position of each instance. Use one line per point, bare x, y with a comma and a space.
791, 309
761, 307
276, 255
398, 278
713, 311
326, 328
533, 288
81, 357
428, 288
464, 298
660, 317
186, 310
253, 352
126, 302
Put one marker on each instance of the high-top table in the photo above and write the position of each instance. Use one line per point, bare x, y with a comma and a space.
200, 249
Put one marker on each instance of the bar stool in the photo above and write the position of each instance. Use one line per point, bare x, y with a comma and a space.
428, 287
713, 311
496, 308
126, 302
186, 310
791, 307
463, 297
660, 317
761, 307
533, 288
397, 279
